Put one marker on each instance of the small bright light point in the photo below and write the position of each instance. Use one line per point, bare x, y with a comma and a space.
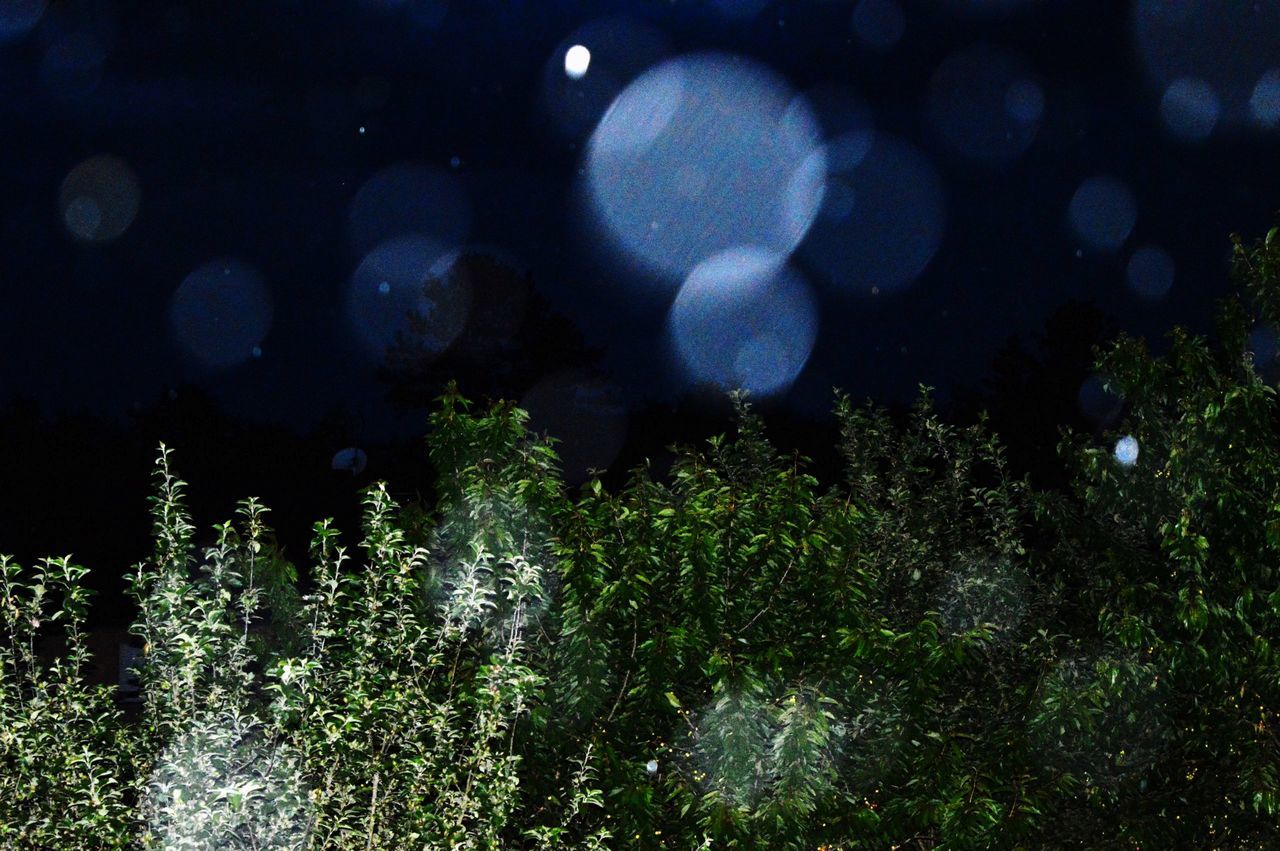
1127, 451
1103, 212
384, 287
576, 61
1150, 272
256, 351
651, 766
361, 131
1190, 109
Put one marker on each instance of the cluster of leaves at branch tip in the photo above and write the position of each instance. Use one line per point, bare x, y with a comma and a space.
929, 653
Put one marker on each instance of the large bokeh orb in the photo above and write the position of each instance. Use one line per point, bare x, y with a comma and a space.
744, 320
701, 154
221, 312
984, 104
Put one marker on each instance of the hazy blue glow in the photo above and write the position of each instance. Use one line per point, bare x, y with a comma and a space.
585, 414
651, 767
409, 198
99, 199
1127, 450
352, 459
401, 278
1190, 109
984, 104
882, 222
744, 320
1103, 212
19, 17
577, 60
879, 23
701, 154
1264, 102
72, 66
1150, 272
220, 312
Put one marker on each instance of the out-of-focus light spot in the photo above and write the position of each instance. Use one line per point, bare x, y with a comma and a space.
361, 131
1098, 404
736, 124
1127, 450
99, 199
741, 10
402, 292
409, 199
585, 414
651, 767
879, 23
1224, 45
984, 104
220, 312
618, 49
1150, 272
352, 460
743, 319
429, 14
1103, 212
1189, 109
882, 222
72, 66
577, 60
19, 17
1264, 102
256, 351
838, 109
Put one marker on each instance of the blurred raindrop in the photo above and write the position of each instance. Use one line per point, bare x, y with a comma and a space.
879, 23
743, 319
702, 154
409, 198
19, 17
1150, 272
1103, 212
984, 104
220, 312
619, 48
1225, 46
99, 199
402, 291
1189, 109
882, 218
1127, 450
585, 414
352, 460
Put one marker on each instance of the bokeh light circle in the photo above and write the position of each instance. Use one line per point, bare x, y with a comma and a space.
1150, 272
1127, 450
220, 312
1190, 109
883, 214
1226, 46
1103, 212
99, 199
577, 60
585, 414
402, 293
744, 319
409, 198
702, 154
984, 104
1264, 100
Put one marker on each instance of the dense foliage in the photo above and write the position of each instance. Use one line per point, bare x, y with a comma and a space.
931, 655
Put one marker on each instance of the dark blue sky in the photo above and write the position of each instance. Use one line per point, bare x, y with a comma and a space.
249, 130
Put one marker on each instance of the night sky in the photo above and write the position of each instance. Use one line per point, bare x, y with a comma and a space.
238, 204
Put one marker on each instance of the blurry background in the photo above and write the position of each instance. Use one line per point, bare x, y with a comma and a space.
268, 232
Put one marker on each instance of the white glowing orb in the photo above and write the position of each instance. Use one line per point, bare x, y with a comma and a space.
576, 62
651, 766
1127, 450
